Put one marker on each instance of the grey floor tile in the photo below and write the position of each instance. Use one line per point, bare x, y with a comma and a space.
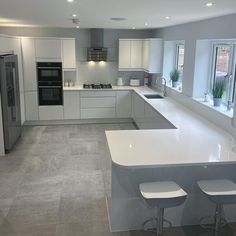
55, 181
82, 209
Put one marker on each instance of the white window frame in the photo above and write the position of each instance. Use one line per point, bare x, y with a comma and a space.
178, 45
230, 89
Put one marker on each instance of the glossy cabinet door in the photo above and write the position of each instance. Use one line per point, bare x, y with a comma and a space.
136, 54
138, 108
153, 55
50, 112
29, 64
98, 104
68, 52
123, 104
71, 105
48, 49
31, 106
130, 55
124, 54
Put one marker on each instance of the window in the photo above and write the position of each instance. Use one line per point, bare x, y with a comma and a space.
180, 59
223, 69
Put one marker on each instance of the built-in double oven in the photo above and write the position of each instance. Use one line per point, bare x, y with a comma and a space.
50, 84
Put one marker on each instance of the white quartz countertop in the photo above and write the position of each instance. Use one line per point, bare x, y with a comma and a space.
196, 141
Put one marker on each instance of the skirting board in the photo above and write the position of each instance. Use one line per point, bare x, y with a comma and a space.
75, 122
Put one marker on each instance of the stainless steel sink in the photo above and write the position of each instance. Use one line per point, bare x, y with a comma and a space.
153, 96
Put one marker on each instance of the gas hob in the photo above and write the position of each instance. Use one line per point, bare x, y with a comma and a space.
97, 86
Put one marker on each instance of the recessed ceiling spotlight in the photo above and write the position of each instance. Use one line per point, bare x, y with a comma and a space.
146, 24
70, 1
133, 28
118, 18
74, 15
77, 26
209, 4
167, 17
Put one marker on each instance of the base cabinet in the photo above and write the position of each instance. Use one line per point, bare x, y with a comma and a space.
98, 104
138, 108
31, 106
51, 112
123, 104
98, 113
71, 105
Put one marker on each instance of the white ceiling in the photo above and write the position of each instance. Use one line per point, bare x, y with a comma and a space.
97, 13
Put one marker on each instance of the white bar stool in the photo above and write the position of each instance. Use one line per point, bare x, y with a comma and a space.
162, 195
219, 191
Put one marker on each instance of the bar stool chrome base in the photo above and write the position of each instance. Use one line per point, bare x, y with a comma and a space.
221, 191
159, 222
218, 220
162, 195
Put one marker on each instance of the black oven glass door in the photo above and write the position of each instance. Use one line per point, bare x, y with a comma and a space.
49, 71
50, 95
49, 75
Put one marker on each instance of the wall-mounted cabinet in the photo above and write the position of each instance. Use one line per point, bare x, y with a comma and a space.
153, 55
141, 55
48, 49
130, 54
68, 54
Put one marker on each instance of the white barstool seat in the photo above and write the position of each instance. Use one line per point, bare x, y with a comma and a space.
219, 191
162, 195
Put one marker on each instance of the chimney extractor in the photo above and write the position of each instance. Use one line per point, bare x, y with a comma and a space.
97, 52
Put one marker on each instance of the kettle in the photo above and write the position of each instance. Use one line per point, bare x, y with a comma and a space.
120, 81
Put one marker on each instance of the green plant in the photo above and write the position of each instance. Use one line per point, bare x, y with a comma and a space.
218, 89
174, 75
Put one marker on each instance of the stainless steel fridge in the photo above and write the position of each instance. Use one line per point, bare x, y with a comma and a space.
10, 99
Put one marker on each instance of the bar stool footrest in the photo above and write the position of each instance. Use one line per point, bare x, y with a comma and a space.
211, 226
155, 220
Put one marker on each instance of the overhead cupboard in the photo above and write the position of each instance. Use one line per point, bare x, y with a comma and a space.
141, 55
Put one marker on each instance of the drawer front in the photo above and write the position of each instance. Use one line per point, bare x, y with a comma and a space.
97, 94
98, 102
50, 112
97, 113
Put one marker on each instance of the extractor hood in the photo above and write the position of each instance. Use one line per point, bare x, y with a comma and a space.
97, 51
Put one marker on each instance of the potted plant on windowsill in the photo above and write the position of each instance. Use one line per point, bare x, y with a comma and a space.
174, 76
217, 92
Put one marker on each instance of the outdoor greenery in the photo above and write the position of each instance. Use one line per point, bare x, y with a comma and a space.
174, 75
218, 89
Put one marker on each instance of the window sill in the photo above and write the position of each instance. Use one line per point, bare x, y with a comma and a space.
177, 89
222, 109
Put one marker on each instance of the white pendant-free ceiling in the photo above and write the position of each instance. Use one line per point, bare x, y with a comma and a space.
98, 13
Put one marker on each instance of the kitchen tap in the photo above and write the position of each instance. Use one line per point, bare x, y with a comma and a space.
164, 88
164, 85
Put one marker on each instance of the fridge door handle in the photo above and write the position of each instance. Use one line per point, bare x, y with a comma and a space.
13, 108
